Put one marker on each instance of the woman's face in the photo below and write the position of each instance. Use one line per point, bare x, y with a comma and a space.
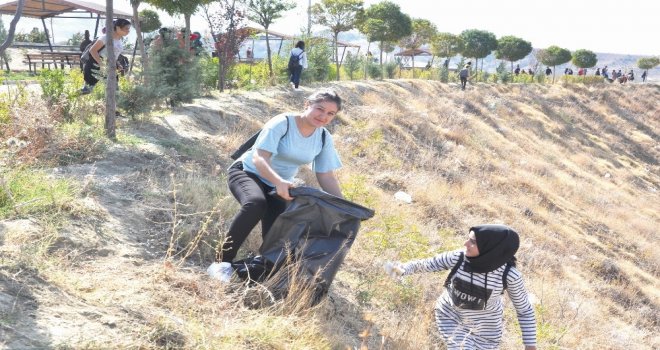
320, 114
123, 31
471, 249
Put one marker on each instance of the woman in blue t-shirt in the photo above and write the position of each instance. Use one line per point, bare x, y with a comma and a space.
284, 144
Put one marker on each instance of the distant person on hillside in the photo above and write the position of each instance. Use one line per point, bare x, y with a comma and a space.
297, 62
261, 177
249, 55
469, 313
517, 70
548, 71
464, 74
598, 71
631, 75
95, 66
83, 45
604, 73
530, 71
86, 41
644, 77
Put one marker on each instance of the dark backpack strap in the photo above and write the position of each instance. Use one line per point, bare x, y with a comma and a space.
505, 284
453, 270
322, 138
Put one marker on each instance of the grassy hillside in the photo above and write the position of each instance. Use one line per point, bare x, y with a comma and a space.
114, 256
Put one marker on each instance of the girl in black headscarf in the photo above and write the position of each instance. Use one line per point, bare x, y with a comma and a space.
469, 313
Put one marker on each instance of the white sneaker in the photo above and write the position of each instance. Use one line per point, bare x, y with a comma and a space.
220, 271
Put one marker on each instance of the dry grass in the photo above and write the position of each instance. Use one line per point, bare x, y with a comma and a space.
573, 168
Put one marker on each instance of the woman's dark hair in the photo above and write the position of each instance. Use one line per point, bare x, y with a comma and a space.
325, 95
120, 22
300, 44
86, 34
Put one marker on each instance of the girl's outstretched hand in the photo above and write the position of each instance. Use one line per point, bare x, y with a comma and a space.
394, 269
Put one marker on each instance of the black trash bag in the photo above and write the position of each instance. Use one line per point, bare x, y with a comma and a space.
308, 242
253, 269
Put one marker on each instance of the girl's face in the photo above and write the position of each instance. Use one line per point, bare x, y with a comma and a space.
471, 249
123, 31
320, 114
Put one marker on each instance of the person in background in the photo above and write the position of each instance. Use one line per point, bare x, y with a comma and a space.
464, 74
548, 71
469, 314
644, 76
298, 53
285, 143
98, 52
597, 72
83, 45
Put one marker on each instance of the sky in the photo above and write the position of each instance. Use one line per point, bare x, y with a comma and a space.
605, 26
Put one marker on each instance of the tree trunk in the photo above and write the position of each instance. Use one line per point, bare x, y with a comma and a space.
140, 39
554, 71
228, 53
111, 83
270, 63
12, 26
337, 54
186, 35
367, 60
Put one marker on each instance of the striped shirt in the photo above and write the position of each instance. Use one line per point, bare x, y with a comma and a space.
477, 329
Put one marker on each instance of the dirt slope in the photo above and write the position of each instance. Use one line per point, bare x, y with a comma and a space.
104, 282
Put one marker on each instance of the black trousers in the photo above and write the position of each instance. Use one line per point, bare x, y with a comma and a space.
256, 205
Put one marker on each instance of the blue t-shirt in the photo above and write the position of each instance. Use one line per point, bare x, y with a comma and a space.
292, 150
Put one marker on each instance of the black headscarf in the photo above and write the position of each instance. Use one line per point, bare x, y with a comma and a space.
497, 245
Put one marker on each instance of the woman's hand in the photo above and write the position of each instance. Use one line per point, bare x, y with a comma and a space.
282, 189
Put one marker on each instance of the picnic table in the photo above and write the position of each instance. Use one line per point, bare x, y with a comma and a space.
58, 59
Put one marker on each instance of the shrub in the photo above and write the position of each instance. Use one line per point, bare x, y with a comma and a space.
374, 71
352, 64
318, 57
503, 74
209, 67
137, 99
443, 74
588, 80
175, 74
390, 69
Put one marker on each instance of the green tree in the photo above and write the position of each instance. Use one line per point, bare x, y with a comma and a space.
554, 56
423, 32
446, 45
584, 59
353, 63
149, 21
647, 63
75, 39
339, 16
384, 22
511, 48
265, 12
477, 44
